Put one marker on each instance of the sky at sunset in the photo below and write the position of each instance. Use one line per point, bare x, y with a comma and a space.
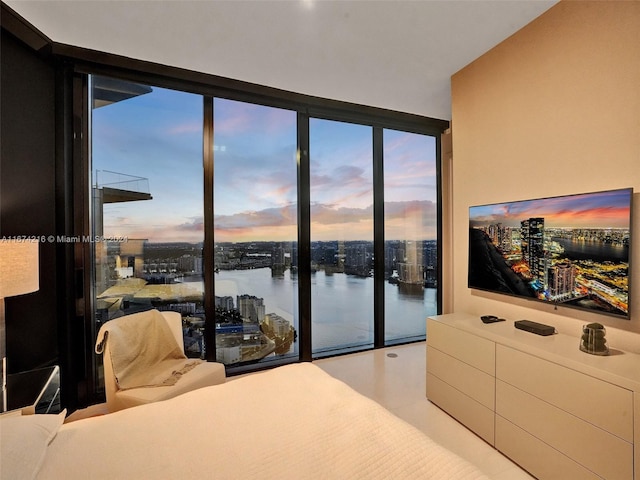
592, 210
159, 136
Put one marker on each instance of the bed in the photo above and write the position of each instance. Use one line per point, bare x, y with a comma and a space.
292, 422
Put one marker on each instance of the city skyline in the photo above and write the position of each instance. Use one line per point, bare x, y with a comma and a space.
159, 136
599, 210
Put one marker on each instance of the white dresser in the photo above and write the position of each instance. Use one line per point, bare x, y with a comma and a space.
558, 412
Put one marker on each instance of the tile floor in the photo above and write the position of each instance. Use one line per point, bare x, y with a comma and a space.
399, 384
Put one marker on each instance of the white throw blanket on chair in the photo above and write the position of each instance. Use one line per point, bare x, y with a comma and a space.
144, 352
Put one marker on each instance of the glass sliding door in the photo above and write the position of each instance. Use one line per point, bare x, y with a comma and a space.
410, 226
341, 194
255, 232
147, 203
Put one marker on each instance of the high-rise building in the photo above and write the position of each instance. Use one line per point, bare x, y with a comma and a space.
251, 308
279, 325
412, 270
357, 259
277, 255
225, 302
190, 264
561, 281
532, 234
505, 240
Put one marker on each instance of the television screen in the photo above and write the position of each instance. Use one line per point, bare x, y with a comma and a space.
571, 250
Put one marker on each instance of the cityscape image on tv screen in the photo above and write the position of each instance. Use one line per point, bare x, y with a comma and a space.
571, 250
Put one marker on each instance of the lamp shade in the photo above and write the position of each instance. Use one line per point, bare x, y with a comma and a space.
18, 267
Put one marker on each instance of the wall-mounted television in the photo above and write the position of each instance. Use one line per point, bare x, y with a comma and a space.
572, 250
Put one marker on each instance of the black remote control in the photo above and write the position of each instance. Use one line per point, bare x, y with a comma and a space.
491, 319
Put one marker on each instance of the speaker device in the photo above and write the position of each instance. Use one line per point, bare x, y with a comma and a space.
534, 327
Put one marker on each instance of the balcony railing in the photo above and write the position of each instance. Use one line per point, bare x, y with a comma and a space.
120, 187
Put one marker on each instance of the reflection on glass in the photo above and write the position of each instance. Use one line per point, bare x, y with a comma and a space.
410, 233
255, 221
341, 166
147, 196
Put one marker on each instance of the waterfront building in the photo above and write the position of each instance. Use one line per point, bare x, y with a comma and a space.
277, 324
251, 307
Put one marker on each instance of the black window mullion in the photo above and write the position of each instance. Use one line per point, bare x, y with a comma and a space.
304, 238
439, 223
208, 247
378, 238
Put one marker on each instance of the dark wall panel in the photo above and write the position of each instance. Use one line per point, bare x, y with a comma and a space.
27, 196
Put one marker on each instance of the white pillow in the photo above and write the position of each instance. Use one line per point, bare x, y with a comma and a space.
23, 443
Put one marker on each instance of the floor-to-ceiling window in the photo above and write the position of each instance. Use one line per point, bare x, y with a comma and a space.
411, 233
341, 193
147, 203
255, 232
239, 264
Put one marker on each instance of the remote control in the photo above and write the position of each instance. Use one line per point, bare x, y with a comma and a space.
491, 319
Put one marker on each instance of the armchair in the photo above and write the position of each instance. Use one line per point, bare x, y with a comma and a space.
201, 375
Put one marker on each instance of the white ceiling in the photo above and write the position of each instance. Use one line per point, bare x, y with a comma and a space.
394, 54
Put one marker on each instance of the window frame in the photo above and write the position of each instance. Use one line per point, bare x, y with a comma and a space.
83, 62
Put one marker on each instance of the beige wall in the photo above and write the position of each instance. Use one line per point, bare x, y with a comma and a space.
552, 110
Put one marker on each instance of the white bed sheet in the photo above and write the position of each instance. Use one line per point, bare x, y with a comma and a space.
293, 422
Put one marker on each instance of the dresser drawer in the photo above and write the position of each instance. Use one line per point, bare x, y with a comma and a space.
466, 347
596, 449
472, 414
469, 380
608, 406
535, 456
